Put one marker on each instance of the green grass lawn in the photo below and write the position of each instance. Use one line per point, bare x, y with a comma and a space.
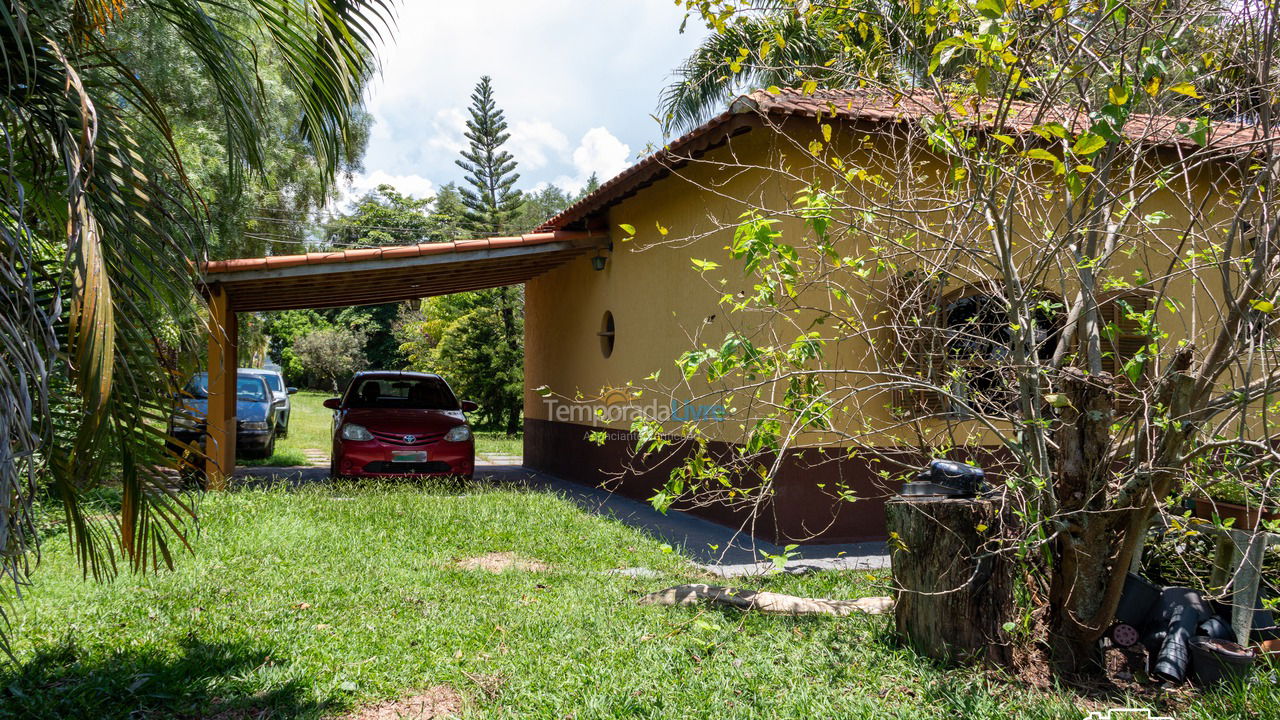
499, 443
310, 603
309, 430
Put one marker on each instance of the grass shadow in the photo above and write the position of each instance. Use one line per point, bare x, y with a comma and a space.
227, 681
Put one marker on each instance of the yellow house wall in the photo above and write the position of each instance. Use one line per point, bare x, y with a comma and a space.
663, 307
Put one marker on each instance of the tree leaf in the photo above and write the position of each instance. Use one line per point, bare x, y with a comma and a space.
1088, 144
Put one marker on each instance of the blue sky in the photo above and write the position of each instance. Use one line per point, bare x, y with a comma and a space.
578, 81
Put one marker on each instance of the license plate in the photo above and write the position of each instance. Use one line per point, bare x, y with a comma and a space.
409, 456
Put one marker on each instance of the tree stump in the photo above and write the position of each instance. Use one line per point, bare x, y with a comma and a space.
954, 594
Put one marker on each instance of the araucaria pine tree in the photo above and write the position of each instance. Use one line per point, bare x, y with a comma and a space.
491, 202
477, 338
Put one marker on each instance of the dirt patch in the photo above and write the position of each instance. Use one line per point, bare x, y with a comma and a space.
438, 702
497, 562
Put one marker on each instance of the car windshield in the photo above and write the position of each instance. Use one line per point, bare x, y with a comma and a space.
248, 387
251, 388
410, 393
273, 381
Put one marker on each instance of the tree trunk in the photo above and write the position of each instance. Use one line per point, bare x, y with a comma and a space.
1080, 606
954, 592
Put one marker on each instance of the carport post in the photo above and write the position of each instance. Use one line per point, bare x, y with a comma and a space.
220, 448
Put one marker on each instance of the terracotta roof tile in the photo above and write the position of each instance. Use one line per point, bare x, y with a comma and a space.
402, 251
874, 106
1022, 116
502, 242
284, 261
392, 252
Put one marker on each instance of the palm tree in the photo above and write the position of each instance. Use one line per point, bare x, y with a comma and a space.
100, 233
783, 43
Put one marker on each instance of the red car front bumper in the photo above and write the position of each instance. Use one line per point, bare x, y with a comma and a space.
374, 458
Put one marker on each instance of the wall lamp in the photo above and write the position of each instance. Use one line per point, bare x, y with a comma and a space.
598, 261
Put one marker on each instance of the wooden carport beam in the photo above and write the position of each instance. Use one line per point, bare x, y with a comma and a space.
220, 446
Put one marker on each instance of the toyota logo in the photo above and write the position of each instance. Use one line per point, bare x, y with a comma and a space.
410, 438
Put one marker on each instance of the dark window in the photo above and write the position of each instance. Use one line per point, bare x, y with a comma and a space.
408, 393
978, 343
606, 334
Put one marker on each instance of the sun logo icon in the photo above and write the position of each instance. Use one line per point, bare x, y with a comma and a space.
615, 397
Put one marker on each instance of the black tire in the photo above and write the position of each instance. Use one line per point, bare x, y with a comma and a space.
264, 453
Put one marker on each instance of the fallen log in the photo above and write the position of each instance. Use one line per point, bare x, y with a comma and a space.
767, 602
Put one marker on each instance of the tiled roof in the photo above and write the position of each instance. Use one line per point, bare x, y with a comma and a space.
390, 274
874, 106
879, 106
275, 262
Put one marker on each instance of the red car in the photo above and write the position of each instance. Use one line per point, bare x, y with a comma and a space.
400, 423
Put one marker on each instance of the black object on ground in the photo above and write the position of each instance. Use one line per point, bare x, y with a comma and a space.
1177, 615
1216, 628
1137, 600
1182, 633
1214, 660
948, 478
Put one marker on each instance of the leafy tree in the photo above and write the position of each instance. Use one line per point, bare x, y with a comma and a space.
376, 324
333, 353
268, 209
463, 338
284, 328
593, 184
102, 226
540, 206
447, 210
383, 217
1004, 257
491, 204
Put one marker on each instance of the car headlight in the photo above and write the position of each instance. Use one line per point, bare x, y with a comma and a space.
460, 433
255, 425
186, 422
351, 431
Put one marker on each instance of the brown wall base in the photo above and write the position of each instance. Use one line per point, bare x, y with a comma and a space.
805, 506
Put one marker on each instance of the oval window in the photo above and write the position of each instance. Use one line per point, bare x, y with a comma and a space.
606, 334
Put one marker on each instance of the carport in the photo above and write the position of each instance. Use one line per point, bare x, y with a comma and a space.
354, 277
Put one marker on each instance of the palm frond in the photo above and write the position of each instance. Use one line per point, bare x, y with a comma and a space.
100, 238
783, 43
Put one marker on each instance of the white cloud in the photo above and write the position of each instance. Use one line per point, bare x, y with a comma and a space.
363, 183
608, 74
601, 153
447, 130
532, 140
598, 152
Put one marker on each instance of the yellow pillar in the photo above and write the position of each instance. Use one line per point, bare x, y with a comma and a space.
220, 445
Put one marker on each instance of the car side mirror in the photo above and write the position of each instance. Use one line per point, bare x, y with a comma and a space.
291, 390
333, 403
469, 406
